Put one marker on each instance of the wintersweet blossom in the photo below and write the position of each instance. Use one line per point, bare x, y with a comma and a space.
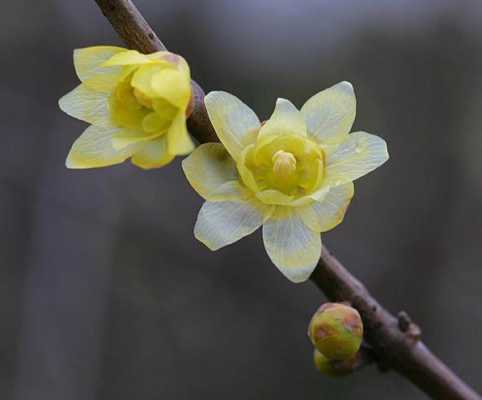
136, 105
293, 174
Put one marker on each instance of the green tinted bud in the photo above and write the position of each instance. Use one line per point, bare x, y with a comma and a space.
336, 330
332, 367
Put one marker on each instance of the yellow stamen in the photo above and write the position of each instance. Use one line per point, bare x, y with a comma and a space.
284, 164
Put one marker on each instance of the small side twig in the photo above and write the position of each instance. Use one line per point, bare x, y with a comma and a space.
394, 342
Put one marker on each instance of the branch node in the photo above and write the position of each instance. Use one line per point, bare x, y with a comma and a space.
408, 327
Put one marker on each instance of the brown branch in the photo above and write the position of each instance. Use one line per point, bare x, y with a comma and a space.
394, 341
130, 25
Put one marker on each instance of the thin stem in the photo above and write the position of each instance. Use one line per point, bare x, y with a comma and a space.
394, 341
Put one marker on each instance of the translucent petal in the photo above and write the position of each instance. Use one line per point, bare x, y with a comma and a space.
127, 57
285, 120
94, 149
230, 191
142, 79
172, 85
232, 120
179, 141
166, 75
292, 246
358, 155
275, 197
208, 167
152, 122
153, 154
221, 223
329, 212
87, 105
172, 60
88, 62
128, 137
329, 115
245, 173
181, 65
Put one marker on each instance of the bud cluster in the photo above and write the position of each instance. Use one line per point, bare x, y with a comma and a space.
336, 331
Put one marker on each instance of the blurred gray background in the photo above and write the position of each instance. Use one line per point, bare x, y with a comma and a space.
104, 292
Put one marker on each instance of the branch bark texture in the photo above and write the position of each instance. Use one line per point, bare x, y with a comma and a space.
394, 340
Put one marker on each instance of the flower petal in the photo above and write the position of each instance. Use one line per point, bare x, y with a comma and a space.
153, 154
94, 149
142, 79
358, 155
172, 85
292, 246
127, 57
286, 119
329, 115
124, 138
178, 139
232, 120
87, 105
275, 197
221, 223
328, 213
208, 167
88, 65
245, 173
230, 191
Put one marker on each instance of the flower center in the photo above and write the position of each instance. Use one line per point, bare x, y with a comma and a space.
284, 164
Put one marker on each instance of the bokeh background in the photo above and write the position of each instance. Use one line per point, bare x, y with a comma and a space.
104, 292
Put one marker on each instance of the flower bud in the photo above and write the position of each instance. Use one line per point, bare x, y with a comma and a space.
336, 330
333, 367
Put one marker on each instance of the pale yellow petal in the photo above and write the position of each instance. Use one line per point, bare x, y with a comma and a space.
245, 173
171, 60
221, 223
94, 149
329, 212
170, 81
329, 115
209, 167
153, 154
127, 137
285, 120
178, 139
87, 105
172, 85
142, 79
274, 197
292, 246
182, 66
358, 155
88, 65
232, 120
89, 59
127, 57
230, 191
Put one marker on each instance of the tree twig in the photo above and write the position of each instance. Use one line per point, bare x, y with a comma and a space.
394, 341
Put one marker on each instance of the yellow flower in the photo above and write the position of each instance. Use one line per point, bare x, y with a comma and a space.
293, 174
136, 104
